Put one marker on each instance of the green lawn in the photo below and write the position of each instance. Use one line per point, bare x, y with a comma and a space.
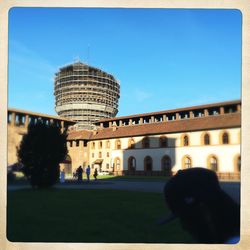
136, 178
62, 215
129, 177
21, 179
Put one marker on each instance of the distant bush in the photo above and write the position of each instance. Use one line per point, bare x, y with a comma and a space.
40, 152
17, 167
11, 176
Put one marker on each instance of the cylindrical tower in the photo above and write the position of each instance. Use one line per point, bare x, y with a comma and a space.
85, 94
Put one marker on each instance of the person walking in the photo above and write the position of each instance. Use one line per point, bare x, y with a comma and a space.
88, 172
62, 176
95, 174
79, 173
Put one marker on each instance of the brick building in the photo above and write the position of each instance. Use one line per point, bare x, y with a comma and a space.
160, 143
18, 121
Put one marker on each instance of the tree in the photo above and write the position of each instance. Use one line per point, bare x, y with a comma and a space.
41, 150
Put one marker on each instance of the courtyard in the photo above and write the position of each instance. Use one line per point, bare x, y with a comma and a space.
124, 210
76, 215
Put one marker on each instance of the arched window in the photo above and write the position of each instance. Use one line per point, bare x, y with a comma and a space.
166, 164
225, 138
107, 144
117, 164
100, 144
67, 165
185, 140
131, 143
117, 144
93, 145
148, 163
186, 162
131, 163
206, 139
145, 142
237, 163
213, 163
163, 142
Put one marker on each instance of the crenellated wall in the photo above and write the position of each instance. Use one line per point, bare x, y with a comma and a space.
18, 121
203, 136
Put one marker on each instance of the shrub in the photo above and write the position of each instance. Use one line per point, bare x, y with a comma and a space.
41, 150
11, 176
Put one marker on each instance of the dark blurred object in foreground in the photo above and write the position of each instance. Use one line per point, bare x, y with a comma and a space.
204, 209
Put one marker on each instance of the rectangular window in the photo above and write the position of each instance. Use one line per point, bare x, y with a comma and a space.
93, 155
107, 166
9, 117
100, 154
107, 154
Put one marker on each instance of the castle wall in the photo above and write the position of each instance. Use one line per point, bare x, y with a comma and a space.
18, 122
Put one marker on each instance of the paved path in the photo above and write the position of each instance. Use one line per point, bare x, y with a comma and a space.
232, 188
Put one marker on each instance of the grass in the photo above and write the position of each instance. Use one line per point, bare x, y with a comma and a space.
128, 177
62, 215
138, 178
21, 179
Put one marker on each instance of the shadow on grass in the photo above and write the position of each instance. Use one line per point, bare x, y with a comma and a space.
127, 178
23, 180
89, 216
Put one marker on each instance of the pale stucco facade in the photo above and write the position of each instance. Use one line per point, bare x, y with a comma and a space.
157, 143
107, 156
149, 156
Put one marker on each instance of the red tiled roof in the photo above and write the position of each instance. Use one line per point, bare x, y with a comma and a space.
185, 125
79, 135
192, 108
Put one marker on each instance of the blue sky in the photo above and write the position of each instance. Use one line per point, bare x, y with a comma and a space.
163, 58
